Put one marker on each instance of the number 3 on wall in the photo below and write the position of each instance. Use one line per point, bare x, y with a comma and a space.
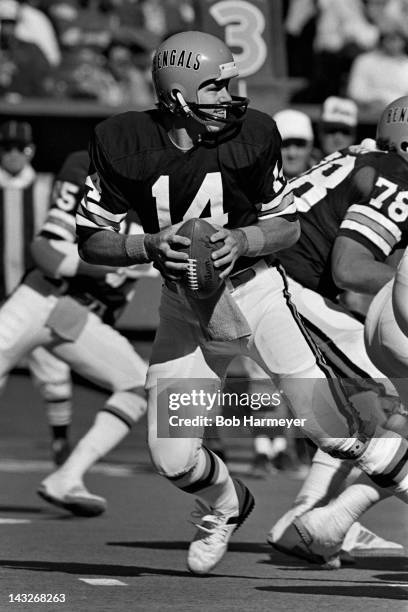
210, 192
244, 24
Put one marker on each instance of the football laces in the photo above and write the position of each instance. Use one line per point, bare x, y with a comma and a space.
192, 277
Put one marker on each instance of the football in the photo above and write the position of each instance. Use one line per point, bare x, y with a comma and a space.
201, 280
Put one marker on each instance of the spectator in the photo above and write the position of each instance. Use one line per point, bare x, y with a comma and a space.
300, 29
23, 66
35, 27
83, 74
337, 125
343, 30
129, 81
297, 141
84, 23
381, 75
162, 17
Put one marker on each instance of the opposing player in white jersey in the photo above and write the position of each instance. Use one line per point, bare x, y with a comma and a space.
24, 201
67, 307
319, 534
353, 217
201, 155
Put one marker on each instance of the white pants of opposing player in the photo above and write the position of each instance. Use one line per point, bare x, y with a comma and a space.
338, 334
387, 345
100, 353
278, 343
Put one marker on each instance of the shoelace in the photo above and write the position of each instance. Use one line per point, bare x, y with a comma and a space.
217, 519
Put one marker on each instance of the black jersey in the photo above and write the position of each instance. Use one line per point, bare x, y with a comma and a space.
233, 181
364, 197
59, 225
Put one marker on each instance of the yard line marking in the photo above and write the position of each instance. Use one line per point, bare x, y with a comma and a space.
13, 521
103, 581
22, 465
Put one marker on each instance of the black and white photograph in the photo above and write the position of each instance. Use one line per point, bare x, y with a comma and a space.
203, 305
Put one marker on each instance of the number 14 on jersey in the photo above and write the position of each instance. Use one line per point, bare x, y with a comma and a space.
210, 192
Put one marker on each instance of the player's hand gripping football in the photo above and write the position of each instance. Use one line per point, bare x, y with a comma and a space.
235, 245
161, 249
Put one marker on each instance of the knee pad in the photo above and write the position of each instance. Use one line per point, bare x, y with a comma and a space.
172, 457
129, 406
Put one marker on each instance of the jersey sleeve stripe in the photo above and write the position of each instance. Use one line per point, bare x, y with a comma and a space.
82, 221
368, 233
60, 217
290, 210
87, 219
68, 218
279, 203
99, 211
58, 231
378, 218
376, 227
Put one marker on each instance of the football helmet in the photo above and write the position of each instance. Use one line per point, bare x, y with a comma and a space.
186, 61
392, 128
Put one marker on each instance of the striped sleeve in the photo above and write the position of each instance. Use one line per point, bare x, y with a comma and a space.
276, 198
372, 228
103, 206
59, 225
60, 221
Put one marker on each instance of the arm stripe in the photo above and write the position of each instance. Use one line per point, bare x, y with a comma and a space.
99, 211
378, 218
374, 226
58, 230
95, 220
281, 202
289, 210
368, 233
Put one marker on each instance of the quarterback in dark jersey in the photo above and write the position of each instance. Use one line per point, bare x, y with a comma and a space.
200, 155
62, 305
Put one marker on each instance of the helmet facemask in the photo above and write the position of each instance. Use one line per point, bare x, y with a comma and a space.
225, 113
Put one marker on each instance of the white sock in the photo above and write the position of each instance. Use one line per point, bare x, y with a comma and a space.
211, 481
332, 522
326, 474
59, 413
221, 494
386, 460
106, 432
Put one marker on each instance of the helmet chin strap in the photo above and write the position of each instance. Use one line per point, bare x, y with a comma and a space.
189, 112
187, 109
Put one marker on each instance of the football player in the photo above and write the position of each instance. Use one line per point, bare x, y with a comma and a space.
68, 307
353, 216
319, 534
24, 200
203, 154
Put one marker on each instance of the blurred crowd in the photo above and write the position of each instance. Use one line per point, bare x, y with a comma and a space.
101, 49
354, 48
84, 49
